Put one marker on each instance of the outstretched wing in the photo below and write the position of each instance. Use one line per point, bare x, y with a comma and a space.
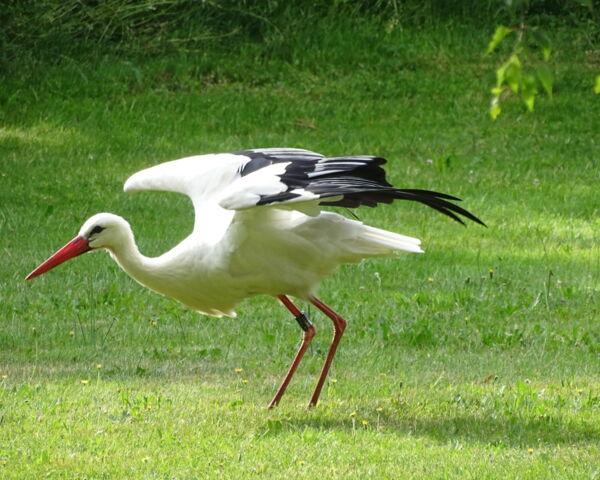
284, 177
219, 184
297, 176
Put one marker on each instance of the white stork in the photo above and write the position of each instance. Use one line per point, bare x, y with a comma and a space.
259, 229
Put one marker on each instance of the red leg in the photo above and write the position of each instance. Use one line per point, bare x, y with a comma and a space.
309, 333
339, 325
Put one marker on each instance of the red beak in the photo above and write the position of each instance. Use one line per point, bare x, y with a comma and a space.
75, 247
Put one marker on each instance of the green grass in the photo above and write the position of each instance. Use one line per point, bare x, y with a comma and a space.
479, 359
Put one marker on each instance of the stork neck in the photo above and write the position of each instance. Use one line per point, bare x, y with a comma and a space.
128, 257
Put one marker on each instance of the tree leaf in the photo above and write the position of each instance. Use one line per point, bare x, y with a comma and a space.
502, 72
529, 100
597, 85
495, 111
499, 34
545, 77
528, 91
542, 41
513, 73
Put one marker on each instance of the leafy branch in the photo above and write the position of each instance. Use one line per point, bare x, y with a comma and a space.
521, 73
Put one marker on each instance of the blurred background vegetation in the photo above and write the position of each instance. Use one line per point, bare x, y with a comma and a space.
47, 31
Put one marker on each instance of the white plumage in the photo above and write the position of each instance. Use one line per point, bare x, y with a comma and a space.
259, 229
237, 251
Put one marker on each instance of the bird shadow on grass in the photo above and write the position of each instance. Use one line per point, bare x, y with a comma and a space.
508, 431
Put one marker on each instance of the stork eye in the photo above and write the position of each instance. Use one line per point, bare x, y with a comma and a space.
96, 229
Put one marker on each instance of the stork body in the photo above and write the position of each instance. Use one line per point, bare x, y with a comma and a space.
285, 251
259, 229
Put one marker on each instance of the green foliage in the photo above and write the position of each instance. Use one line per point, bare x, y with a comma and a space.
499, 34
525, 72
512, 76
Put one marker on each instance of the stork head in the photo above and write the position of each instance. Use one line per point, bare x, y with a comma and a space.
103, 230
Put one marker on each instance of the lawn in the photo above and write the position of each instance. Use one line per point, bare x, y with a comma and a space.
478, 359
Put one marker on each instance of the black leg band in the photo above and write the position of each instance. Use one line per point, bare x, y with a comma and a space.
303, 321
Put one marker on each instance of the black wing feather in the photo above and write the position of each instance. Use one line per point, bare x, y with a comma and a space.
354, 180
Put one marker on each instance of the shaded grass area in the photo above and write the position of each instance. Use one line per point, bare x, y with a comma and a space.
478, 359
